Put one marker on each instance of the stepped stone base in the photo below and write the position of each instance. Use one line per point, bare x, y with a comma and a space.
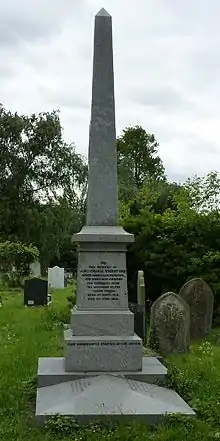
52, 371
102, 322
108, 397
102, 353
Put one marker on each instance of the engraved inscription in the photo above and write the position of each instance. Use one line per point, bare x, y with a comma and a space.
106, 343
79, 385
103, 281
140, 387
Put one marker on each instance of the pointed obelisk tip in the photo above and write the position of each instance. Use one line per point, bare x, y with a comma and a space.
103, 13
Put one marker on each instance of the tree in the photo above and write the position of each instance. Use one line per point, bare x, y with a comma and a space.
138, 161
36, 167
51, 227
176, 242
204, 192
19, 256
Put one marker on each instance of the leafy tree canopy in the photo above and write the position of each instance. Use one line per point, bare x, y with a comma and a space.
138, 161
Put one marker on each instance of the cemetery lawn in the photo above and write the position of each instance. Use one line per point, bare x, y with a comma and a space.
28, 333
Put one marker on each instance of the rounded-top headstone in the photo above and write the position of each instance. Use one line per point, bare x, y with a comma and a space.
170, 324
199, 296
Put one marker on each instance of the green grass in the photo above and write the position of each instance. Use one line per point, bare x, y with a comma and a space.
29, 333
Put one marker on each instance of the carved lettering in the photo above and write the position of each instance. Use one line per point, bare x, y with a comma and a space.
103, 281
106, 343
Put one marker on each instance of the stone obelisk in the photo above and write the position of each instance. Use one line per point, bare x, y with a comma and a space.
102, 207
101, 374
102, 336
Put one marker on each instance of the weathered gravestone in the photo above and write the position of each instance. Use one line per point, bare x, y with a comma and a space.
139, 308
139, 312
35, 269
35, 292
170, 324
141, 298
56, 277
97, 378
199, 296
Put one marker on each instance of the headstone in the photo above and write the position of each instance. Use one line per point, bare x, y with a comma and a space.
49, 298
139, 309
35, 269
139, 312
141, 289
56, 277
101, 341
199, 296
68, 276
170, 324
35, 292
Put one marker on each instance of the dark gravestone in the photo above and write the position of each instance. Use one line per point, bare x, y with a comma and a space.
35, 292
139, 320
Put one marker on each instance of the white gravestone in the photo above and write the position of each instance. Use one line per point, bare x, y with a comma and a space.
56, 277
35, 269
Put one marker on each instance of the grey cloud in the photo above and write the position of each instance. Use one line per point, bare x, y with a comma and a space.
174, 176
6, 71
70, 100
165, 98
72, 96
14, 30
28, 20
204, 65
198, 145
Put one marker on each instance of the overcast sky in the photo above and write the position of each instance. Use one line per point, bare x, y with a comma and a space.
167, 71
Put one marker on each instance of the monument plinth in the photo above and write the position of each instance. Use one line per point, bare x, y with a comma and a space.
103, 373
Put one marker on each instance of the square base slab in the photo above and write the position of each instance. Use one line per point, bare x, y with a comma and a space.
52, 371
106, 398
102, 353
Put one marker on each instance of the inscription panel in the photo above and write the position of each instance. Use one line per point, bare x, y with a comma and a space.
102, 280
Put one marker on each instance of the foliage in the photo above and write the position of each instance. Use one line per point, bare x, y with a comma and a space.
152, 339
57, 315
52, 226
17, 254
30, 388
62, 425
15, 258
138, 161
181, 382
204, 193
43, 183
173, 241
34, 159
